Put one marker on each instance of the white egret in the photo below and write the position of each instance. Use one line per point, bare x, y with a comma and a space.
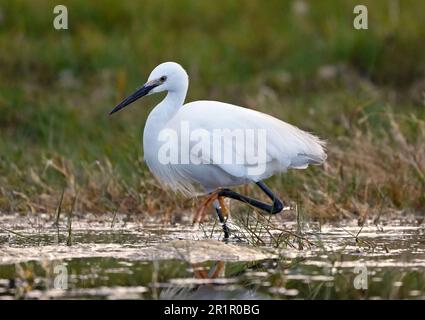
284, 146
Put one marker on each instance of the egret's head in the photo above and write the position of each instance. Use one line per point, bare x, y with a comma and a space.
168, 76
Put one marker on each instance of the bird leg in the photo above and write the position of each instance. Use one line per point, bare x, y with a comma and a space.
222, 212
218, 202
220, 209
276, 207
200, 214
216, 269
200, 272
223, 207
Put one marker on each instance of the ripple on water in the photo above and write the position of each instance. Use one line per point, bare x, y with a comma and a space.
133, 259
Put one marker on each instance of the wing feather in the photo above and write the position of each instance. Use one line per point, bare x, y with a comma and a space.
286, 145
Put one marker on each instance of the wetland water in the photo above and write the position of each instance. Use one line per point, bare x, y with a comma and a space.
130, 259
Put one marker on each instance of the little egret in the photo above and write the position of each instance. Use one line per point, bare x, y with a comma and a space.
262, 145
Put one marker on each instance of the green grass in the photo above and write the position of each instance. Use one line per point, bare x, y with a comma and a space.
312, 69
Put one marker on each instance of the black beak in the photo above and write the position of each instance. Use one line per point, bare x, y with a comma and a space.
133, 97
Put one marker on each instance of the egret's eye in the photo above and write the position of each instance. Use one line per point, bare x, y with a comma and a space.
163, 78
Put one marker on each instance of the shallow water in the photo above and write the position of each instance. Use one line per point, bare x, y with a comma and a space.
126, 258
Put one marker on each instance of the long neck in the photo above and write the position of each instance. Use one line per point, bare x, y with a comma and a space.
162, 113
177, 90
172, 102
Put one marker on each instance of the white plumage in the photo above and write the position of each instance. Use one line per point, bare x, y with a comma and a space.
286, 146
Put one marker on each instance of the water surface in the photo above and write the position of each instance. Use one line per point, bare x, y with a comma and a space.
123, 258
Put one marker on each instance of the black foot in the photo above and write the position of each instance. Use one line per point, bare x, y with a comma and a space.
223, 222
276, 207
226, 231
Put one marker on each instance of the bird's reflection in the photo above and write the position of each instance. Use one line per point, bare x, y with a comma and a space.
211, 288
216, 270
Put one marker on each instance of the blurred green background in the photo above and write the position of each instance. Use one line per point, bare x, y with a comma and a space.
299, 60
